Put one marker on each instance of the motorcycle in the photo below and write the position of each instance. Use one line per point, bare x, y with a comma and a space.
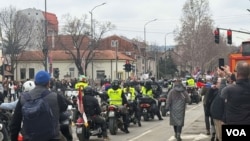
163, 104
146, 108
131, 110
194, 96
114, 119
84, 132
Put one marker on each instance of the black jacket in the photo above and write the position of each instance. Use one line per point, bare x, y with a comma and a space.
212, 92
237, 104
218, 104
91, 105
57, 108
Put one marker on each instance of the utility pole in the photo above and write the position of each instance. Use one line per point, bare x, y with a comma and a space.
45, 45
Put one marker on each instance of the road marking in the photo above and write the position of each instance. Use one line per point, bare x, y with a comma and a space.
133, 139
188, 137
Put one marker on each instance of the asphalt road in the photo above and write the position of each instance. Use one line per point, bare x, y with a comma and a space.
155, 130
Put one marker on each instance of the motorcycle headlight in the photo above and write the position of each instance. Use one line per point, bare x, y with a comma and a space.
1, 126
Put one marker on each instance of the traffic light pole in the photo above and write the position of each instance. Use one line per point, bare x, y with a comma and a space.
234, 30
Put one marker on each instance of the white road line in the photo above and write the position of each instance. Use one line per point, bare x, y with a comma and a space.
133, 139
188, 137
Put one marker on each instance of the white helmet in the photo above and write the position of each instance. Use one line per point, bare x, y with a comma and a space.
28, 85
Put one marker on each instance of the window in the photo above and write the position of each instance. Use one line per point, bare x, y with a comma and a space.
120, 75
72, 72
100, 74
31, 73
23, 73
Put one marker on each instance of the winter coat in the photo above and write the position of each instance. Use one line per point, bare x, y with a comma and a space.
177, 99
237, 105
218, 104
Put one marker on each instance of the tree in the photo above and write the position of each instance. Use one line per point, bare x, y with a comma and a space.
167, 68
195, 38
17, 31
78, 30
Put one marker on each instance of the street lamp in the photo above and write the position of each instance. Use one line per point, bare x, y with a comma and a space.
145, 66
92, 32
165, 70
91, 14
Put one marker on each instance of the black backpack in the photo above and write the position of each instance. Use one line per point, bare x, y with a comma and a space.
39, 122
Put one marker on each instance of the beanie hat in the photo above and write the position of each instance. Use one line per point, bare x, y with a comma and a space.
42, 78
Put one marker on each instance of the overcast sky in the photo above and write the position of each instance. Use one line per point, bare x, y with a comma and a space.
130, 16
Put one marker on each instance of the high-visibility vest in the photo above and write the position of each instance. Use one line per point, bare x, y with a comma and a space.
80, 84
191, 82
115, 97
131, 91
148, 93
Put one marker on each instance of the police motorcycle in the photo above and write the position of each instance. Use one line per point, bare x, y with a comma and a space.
132, 104
163, 99
84, 132
163, 104
115, 121
147, 110
193, 94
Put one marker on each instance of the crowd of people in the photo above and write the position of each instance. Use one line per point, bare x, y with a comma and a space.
225, 101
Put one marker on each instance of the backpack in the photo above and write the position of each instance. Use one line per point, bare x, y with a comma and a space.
39, 122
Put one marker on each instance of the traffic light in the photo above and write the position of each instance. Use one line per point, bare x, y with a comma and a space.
56, 73
217, 35
127, 67
229, 36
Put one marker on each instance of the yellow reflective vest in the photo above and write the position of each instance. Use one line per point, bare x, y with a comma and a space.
115, 97
131, 91
191, 82
81, 84
148, 93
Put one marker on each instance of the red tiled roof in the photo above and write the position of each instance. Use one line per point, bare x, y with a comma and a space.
61, 55
52, 20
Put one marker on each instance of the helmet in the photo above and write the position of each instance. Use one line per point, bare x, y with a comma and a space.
115, 84
126, 84
141, 82
82, 78
28, 85
88, 91
148, 82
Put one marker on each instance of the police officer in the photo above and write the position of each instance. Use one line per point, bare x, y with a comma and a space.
157, 90
190, 81
93, 110
129, 88
82, 82
147, 90
117, 97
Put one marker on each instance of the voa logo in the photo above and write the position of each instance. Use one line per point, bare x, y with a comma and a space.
236, 132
